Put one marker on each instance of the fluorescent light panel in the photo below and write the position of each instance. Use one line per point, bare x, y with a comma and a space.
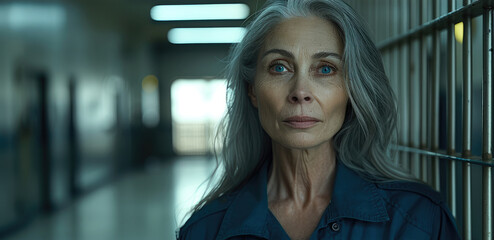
24, 15
206, 35
199, 12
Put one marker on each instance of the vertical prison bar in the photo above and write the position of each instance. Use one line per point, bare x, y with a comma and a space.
467, 124
435, 98
451, 111
487, 124
403, 84
413, 92
424, 106
394, 53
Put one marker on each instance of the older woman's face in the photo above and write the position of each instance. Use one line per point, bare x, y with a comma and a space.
298, 88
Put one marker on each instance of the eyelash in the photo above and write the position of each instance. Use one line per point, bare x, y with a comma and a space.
333, 69
274, 64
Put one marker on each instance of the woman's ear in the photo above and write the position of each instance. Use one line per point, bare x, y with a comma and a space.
252, 95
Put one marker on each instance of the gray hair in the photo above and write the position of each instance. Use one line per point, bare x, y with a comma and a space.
362, 143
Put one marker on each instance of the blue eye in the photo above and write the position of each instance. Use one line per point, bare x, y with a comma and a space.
279, 68
326, 70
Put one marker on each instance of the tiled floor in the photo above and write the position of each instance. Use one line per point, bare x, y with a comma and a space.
149, 204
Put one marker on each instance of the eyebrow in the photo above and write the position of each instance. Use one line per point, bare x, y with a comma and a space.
288, 54
327, 54
281, 52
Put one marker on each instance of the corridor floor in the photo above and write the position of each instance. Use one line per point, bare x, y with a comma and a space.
148, 204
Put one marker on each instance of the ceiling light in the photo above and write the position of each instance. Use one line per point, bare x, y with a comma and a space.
206, 35
199, 12
24, 15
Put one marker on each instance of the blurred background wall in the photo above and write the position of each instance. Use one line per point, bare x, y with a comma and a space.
85, 97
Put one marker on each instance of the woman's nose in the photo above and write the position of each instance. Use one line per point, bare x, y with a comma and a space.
300, 96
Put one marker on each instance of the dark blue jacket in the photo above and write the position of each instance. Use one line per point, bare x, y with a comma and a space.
359, 209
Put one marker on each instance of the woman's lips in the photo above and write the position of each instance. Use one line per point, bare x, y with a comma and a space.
301, 121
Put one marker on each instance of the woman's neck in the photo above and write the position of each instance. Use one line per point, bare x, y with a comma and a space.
302, 176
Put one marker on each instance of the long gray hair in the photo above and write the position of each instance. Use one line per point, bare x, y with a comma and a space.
362, 143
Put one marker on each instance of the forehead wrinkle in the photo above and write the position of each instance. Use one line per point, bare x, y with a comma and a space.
282, 52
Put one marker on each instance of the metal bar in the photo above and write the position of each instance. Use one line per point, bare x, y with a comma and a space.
423, 94
414, 93
435, 100
487, 124
403, 84
376, 30
440, 22
386, 30
443, 155
451, 111
467, 125
394, 19
393, 15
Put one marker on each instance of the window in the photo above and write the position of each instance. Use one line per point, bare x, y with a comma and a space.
197, 108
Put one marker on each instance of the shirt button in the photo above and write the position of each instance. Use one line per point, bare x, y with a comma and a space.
335, 227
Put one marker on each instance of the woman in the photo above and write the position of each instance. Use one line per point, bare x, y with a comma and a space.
310, 118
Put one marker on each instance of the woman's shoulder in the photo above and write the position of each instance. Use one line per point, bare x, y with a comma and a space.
399, 191
205, 223
412, 200
419, 205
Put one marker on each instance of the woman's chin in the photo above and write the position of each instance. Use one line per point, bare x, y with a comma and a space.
303, 143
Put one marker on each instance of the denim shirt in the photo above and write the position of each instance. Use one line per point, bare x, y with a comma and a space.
359, 209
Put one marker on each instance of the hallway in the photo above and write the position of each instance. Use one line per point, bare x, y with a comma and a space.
147, 204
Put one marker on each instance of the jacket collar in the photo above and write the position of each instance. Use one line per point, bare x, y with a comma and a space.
247, 213
353, 197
